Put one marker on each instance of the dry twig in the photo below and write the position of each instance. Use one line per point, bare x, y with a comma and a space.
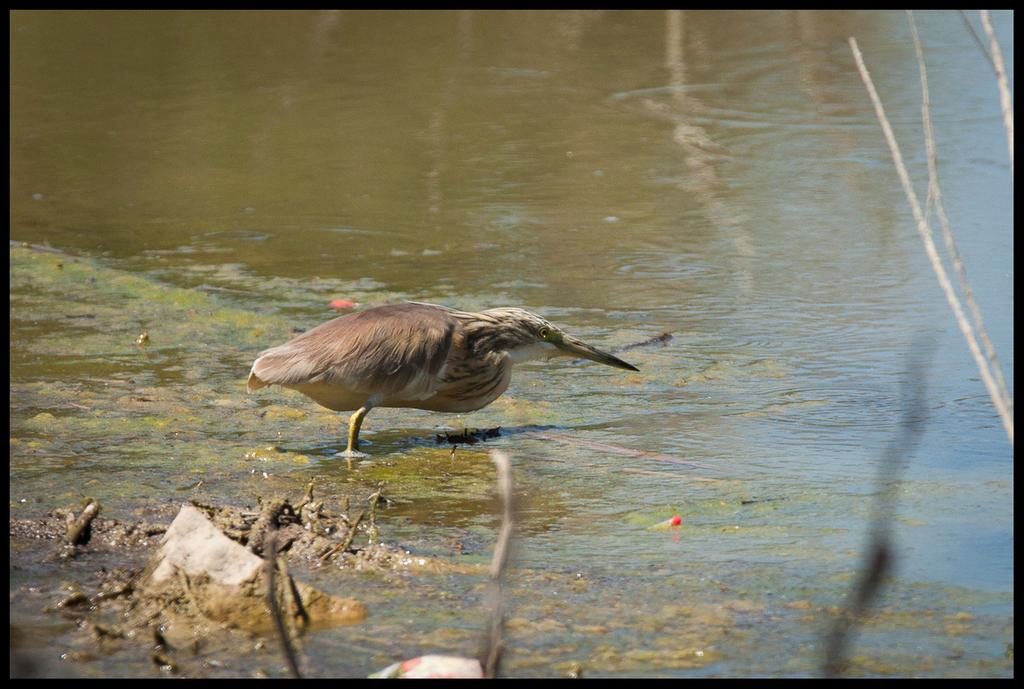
80, 530
490, 654
275, 609
343, 546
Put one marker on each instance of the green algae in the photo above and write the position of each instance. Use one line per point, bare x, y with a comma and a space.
94, 411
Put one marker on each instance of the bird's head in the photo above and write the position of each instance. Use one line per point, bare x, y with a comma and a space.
526, 337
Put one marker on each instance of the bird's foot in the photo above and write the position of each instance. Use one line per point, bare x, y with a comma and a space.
349, 455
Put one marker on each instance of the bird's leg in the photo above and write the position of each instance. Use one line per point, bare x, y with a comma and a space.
355, 422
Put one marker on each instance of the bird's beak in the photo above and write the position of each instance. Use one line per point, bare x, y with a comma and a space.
573, 347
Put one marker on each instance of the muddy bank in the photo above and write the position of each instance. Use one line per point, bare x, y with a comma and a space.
191, 592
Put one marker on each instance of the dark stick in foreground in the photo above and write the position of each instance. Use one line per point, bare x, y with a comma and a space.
879, 557
270, 548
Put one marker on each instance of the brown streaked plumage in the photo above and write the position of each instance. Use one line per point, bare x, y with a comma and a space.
414, 355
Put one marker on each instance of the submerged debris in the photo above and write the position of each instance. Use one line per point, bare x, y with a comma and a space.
754, 501
657, 339
661, 339
467, 437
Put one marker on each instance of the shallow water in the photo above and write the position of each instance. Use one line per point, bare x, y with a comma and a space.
215, 179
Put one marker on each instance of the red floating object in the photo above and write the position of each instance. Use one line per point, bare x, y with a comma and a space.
343, 304
676, 520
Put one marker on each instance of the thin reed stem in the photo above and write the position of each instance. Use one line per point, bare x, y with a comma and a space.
925, 231
935, 195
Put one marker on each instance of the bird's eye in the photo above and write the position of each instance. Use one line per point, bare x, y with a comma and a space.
543, 333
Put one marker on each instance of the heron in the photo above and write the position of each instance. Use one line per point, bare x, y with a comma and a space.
414, 355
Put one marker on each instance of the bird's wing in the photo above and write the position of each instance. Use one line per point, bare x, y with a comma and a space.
394, 352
